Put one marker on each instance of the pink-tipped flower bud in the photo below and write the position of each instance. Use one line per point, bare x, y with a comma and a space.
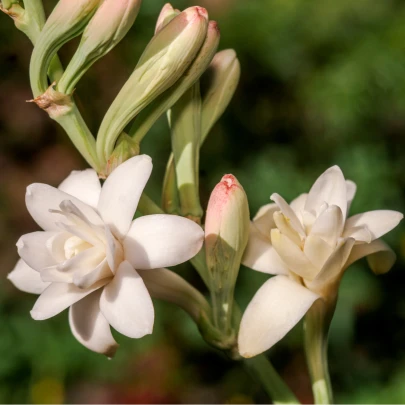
166, 15
226, 235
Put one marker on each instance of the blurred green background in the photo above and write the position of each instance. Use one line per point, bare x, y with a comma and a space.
322, 83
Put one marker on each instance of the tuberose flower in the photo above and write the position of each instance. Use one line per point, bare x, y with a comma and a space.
85, 259
308, 244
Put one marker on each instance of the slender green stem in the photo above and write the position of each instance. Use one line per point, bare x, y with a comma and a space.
316, 328
262, 370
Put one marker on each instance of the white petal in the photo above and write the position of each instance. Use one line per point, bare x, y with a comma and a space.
351, 189
114, 251
126, 303
379, 255
33, 250
84, 185
27, 279
317, 250
89, 326
359, 234
56, 246
298, 205
329, 225
330, 187
59, 296
88, 278
334, 265
162, 240
264, 221
292, 255
261, 256
40, 198
284, 226
288, 213
121, 193
378, 222
275, 309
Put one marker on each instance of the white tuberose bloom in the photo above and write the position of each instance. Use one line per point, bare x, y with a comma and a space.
87, 254
307, 244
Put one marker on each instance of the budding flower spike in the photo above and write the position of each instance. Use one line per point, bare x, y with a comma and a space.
226, 236
87, 257
308, 244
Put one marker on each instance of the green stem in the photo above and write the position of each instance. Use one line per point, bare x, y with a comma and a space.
262, 370
316, 328
147, 206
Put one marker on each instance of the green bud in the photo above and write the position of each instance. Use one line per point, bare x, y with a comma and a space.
185, 127
165, 59
67, 20
170, 196
218, 85
226, 235
125, 149
166, 15
147, 117
109, 25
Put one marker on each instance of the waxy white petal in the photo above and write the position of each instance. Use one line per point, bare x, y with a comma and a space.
379, 255
40, 198
292, 255
298, 205
359, 233
288, 213
56, 245
59, 296
351, 189
32, 249
89, 326
329, 225
126, 303
84, 185
317, 250
330, 187
121, 193
264, 221
161, 240
261, 256
284, 226
86, 279
27, 279
275, 309
378, 222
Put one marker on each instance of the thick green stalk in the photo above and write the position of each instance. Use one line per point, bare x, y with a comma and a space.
316, 328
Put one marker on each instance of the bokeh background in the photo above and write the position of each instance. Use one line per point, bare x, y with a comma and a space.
322, 83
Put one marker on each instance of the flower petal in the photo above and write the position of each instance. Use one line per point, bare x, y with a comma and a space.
292, 255
27, 279
261, 256
288, 213
85, 279
317, 250
275, 309
84, 185
59, 296
89, 326
298, 205
351, 189
379, 222
330, 187
359, 233
126, 303
379, 255
33, 250
264, 221
334, 265
162, 240
121, 193
56, 245
329, 225
40, 198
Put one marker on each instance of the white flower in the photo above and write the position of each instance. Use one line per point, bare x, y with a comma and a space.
87, 254
307, 245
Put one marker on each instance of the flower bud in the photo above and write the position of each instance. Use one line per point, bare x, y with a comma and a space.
226, 235
166, 15
67, 20
165, 59
109, 25
218, 85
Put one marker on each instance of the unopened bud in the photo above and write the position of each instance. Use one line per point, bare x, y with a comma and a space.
109, 25
166, 15
125, 149
165, 59
226, 235
67, 21
218, 85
